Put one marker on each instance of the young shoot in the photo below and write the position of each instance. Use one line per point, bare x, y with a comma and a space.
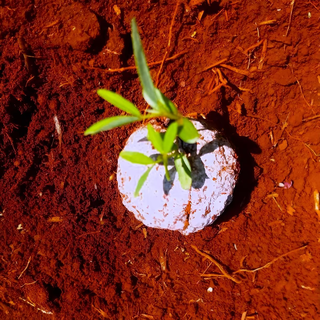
160, 106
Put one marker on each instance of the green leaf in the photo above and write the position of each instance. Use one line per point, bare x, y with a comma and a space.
148, 91
136, 157
183, 167
167, 104
110, 123
141, 181
170, 136
188, 133
156, 113
119, 102
155, 138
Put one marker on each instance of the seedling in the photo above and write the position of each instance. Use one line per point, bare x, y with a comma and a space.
160, 106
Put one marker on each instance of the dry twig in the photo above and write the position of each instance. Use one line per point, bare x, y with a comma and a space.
304, 98
103, 313
88, 233
152, 64
214, 65
290, 18
169, 43
24, 270
263, 23
231, 277
243, 72
253, 47
267, 265
316, 202
311, 118
58, 129
314, 6
263, 53
221, 268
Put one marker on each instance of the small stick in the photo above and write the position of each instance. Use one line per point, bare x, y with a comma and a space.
49, 25
169, 42
245, 89
244, 315
304, 98
224, 273
314, 6
277, 203
11, 142
147, 316
23, 271
243, 72
221, 78
316, 202
263, 23
24, 51
290, 18
189, 38
209, 265
311, 151
34, 305
308, 146
217, 15
253, 47
88, 233
28, 284
311, 118
58, 129
216, 88
271, 262
152, 64
103, 313
210, 85
257, 117
263, 53
214, 65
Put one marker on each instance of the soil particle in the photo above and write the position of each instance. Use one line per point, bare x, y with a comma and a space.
76, 26
284, 77
276, 58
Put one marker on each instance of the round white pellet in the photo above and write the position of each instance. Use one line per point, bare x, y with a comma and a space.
165, 205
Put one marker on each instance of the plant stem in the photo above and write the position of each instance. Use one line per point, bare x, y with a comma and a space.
165, 163
166, 115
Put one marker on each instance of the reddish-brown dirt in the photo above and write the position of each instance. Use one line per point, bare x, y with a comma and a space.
68, 247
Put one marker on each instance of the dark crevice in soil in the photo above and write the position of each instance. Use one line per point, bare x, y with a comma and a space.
127, 51
102, 39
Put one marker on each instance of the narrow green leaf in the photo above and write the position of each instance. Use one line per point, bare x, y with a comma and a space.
110, 123
119, 102
141, 181
183, 167
156, 113
148, 91
155, 138
170, 136
136, 157
167, 104
188, 133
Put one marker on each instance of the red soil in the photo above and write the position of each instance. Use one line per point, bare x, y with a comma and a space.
69, 249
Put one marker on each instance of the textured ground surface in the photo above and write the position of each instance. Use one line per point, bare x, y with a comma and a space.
69, 249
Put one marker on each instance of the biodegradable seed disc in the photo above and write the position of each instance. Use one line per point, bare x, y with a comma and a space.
164, 204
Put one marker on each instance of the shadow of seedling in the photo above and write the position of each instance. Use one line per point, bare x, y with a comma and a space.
227, 136
244, 147
198, 172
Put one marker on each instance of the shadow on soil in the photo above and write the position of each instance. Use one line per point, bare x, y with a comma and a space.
249, 170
